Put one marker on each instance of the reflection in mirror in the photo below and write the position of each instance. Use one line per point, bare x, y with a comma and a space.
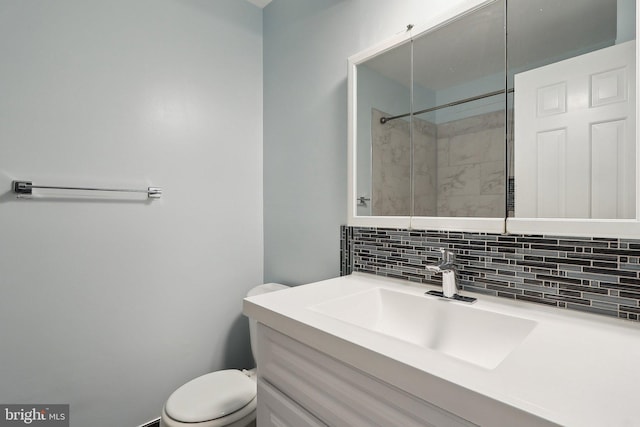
384, 151
571, 65
448, 158
459, 107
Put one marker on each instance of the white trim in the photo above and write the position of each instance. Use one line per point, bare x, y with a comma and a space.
620, 228
485, 225
381, 221
351, 141
637, 114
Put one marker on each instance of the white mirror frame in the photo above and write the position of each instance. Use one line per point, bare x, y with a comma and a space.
620, 228
490, 225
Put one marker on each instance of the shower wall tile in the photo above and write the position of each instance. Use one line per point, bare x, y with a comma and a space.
596, 275
481, 146
390, 170
471, 167
492, 178
425, 145
459, 180
472, 124
458, 166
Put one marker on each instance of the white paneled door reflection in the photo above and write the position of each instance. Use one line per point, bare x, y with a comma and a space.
574, 137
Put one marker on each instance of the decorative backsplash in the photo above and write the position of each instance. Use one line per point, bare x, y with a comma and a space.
597, 275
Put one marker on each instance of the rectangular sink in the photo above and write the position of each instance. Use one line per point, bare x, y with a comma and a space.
477, 336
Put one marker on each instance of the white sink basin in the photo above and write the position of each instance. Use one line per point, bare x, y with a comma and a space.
477, 336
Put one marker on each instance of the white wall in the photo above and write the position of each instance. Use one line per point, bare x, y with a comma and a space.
110, 305
306, 46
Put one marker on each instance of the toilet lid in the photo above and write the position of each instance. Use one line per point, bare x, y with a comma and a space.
266, 288
211, 396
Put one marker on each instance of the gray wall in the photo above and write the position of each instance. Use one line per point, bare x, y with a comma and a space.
111, 305
306, 45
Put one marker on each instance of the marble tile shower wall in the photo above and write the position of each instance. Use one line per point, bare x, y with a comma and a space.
458, 166
471, 166
390, 171
597, 275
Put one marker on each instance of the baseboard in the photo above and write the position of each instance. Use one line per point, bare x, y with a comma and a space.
152, 423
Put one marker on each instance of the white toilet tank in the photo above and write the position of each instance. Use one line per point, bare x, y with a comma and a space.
260, 289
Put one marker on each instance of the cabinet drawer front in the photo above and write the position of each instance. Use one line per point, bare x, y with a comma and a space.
276, 410
338, 394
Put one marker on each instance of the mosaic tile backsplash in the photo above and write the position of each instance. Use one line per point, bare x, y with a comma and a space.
597, 275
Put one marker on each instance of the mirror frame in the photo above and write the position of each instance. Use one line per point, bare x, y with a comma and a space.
489, 225
614, 228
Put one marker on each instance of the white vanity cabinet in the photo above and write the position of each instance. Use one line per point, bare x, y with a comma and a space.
315, 369
277, 410
299, 386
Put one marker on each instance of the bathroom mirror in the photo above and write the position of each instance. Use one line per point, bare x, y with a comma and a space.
549, 145
384, 152
572, 74
427, 141
459, 117
574, 134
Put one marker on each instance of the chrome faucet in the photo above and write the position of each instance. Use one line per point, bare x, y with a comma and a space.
449, 278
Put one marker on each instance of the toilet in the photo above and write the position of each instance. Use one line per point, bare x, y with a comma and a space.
222, 398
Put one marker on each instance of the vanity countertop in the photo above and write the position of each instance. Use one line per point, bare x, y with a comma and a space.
572, 369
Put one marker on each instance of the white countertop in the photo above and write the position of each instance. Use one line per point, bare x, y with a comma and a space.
573, 369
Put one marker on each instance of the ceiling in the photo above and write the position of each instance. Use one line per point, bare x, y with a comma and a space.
260, 3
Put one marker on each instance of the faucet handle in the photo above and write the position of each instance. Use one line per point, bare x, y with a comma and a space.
448, 257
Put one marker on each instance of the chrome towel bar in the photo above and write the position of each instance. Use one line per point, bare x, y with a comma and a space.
26, 187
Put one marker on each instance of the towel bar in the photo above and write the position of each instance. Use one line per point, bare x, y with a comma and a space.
26, 187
